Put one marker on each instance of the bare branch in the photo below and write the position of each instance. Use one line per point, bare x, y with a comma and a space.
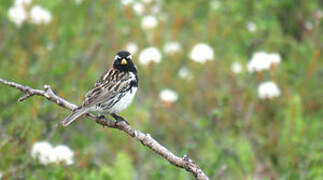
145, 139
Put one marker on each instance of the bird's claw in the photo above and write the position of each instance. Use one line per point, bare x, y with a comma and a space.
101, 117
120, 119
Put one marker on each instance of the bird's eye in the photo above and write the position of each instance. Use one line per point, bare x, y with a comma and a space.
117, 57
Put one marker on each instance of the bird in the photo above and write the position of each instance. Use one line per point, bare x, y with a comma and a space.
112, 93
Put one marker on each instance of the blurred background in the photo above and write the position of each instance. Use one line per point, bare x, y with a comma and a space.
236, 85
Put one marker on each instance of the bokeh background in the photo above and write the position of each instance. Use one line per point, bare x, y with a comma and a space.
210, 107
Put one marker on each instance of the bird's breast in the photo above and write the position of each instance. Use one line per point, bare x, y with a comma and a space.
124, 101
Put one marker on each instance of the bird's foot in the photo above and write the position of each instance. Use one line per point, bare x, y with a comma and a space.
119, 119
101, 117
122, 120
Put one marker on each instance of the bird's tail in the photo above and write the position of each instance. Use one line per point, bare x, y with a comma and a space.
74, 115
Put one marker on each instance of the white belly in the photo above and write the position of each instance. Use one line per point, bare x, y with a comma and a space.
124, 102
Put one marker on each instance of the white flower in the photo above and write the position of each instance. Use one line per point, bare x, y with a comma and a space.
261, 61
215, 4
201, 53
149, 55
50, 46
22, 2
132, 47
251, 26
1, 174
268, 90
40, 15
126, 2
78, 2
64, 154
17, 15
172, 47
149, 22
147, 1
46, 154
184, 73
168, 95
155, 9
43, 151
274, 58
318, 14
236, 67
308, 25
138, 8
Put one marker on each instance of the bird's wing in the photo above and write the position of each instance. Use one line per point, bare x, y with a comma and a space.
111, 83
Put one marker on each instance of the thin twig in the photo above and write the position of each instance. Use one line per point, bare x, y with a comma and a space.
145, 139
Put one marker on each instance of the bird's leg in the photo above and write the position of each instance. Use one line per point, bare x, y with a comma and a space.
101, 116
119, 118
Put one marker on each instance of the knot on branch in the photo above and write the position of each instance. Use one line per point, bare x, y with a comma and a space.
49, 92
28, 93
187, 159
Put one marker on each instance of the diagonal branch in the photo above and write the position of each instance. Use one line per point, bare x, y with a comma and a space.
145, 139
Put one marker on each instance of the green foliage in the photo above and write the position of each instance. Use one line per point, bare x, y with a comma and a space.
122, 168
218, 119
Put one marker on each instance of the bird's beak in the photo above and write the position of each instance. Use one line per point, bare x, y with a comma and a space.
124, 62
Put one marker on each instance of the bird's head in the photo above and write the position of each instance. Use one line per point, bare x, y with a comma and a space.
123, 62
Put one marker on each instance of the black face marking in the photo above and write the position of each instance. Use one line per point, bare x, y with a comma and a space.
128, 67
123, 54
134, 83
